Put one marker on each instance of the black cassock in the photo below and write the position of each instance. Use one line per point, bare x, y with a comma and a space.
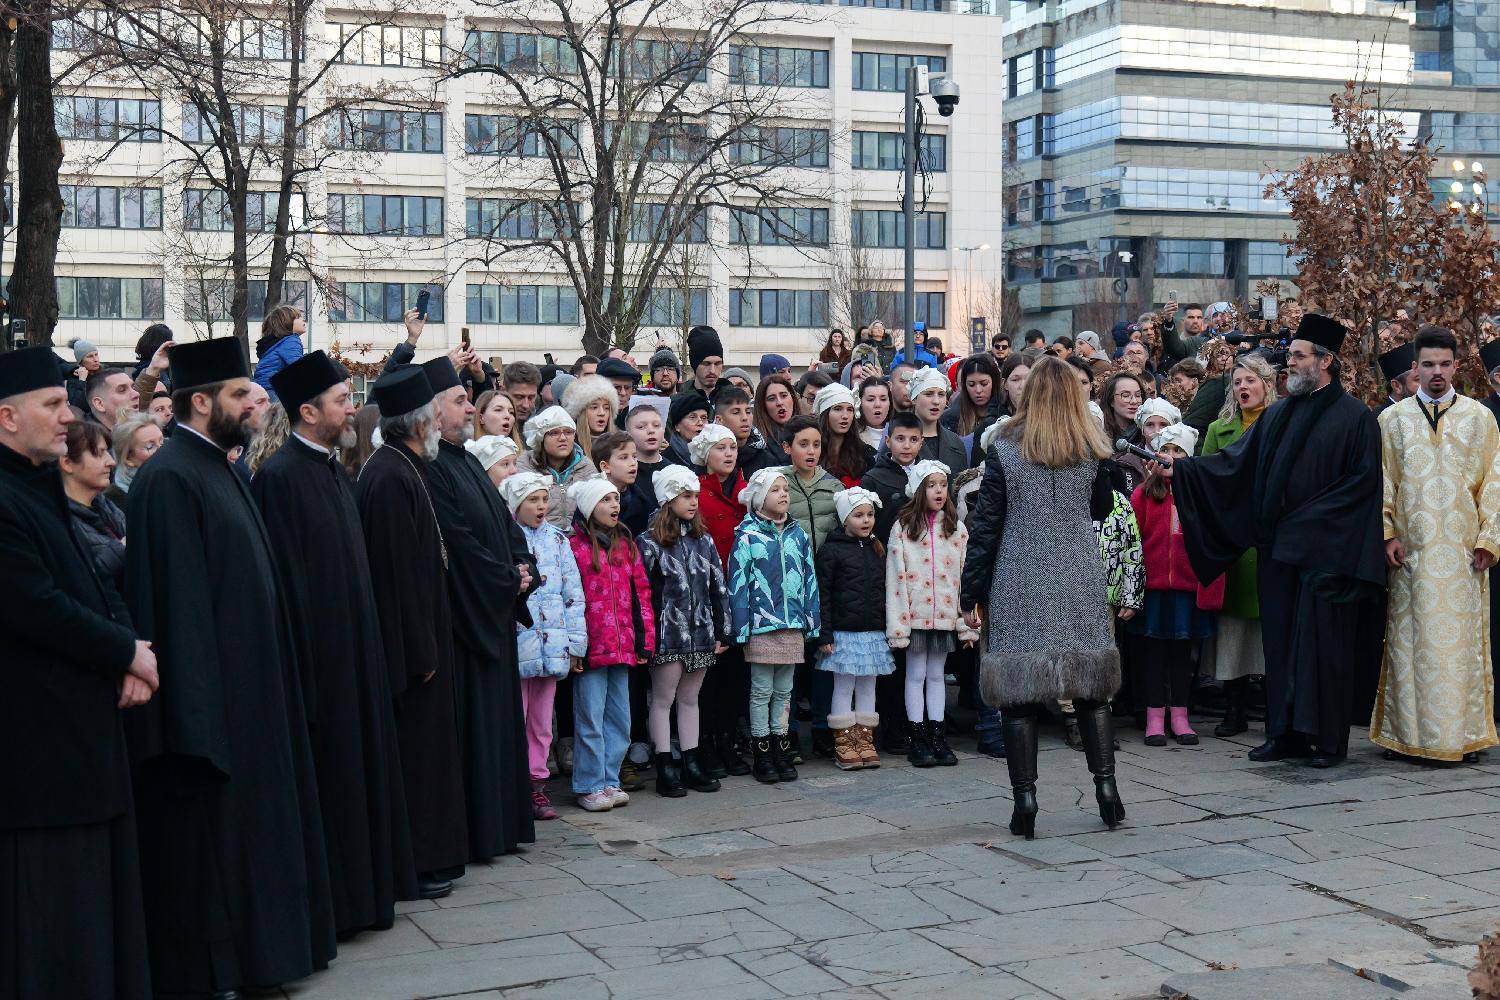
308, 506
232, 854
411, 595
71, 922
484, 586
1303, 487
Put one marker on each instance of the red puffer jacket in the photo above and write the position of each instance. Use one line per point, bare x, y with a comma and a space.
721, 514
617, 605
1165, 552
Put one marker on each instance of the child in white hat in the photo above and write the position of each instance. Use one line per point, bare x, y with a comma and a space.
496, 454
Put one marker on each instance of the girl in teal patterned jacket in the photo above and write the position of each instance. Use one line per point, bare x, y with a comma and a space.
773, 610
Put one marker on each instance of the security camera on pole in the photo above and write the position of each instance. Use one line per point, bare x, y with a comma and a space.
919, 81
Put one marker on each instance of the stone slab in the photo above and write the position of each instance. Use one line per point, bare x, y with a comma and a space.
1417, 900
1319, 981
865, 959
572, 911
1200, 908
1099, 975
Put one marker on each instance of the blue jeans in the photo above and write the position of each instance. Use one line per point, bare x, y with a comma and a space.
770, 698
601, 727
987, 725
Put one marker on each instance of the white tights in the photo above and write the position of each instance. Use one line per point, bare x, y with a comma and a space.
669, 683
852, 694
924, 683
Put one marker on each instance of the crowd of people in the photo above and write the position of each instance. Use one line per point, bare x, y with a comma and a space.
284, 660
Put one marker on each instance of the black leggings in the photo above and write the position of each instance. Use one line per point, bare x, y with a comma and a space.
1166, 671
1035, 709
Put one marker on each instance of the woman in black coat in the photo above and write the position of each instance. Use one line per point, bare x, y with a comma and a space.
98, 521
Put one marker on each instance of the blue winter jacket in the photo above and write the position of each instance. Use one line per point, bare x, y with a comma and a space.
773, 584
923, 358
278, 356
558, 630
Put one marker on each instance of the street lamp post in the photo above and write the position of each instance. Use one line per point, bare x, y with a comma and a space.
945, 92
969, 280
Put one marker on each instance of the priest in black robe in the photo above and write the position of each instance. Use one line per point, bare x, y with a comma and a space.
232, 857
308, 505
490, 572
408, 558
1303, 488
71, 918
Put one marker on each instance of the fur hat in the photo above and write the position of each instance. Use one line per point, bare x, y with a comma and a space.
710, 435
673, 481
584, 391
991, 432
550, 419
588, 492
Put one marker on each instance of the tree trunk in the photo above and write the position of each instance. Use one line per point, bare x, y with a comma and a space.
287, 166
239, 253
7, 104
33, 283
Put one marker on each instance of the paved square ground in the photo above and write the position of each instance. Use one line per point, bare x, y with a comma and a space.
1229, 879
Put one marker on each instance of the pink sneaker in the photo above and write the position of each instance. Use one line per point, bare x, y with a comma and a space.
541, 807
618, 796
597, 802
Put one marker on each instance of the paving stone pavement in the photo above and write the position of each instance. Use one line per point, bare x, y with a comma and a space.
1228, 880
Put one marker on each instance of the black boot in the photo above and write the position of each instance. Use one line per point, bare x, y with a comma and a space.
1235, 694
668, 778
729, 756
920, 752
765, 763
938, 740
895, 738
781, 746
708, 759
1020, 761
693, 774
1097, 726
822, 742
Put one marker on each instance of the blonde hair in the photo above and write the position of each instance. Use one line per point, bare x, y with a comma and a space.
274, 431
1262, 369
1053, 425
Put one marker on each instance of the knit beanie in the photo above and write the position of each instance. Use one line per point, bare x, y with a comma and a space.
588, 492
665, 358
684, 403
832, 395
82, 349
703, 343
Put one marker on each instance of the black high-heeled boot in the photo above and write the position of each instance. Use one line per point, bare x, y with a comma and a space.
1235, 694
1097, 726
1020, 761
668, 778
693, 774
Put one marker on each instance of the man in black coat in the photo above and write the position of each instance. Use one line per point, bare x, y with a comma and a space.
308, 505
232, 848
490, 572
71, 918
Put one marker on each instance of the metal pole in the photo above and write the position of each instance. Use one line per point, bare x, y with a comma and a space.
909, 207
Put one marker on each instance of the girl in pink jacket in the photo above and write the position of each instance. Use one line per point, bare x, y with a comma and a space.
622, 634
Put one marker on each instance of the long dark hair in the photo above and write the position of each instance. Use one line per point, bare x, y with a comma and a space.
849, 458
969, 415
768, 430
1112, 427
1011, 364
913, 516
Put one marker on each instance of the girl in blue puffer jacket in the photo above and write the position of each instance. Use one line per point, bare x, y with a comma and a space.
558, 637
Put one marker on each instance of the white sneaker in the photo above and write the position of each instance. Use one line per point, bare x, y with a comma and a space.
597, 802
618, 796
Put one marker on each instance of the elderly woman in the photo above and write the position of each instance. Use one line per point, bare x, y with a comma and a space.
99, 521
136, 438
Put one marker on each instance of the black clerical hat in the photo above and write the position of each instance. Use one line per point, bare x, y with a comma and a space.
441, 375
1490, 355
307, 378
403, 390
28, 369
205, 362
1327, 333
1396, 362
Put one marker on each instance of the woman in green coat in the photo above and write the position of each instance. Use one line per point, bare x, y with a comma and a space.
1236, 649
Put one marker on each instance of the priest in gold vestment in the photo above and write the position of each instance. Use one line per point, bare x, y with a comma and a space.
1441, 458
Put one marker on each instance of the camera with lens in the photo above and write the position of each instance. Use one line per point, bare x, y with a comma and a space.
945, 93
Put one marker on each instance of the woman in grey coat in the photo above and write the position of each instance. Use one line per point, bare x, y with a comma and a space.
1033, 551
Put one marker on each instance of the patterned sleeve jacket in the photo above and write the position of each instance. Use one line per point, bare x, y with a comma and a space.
688, 593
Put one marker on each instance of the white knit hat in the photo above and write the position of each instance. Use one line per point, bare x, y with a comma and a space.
923, 379
550, 419
1182, 435
832, 395
755, 491
1157, 407
490, 449
583, 391
845, 501
672, 481
710, 435
991, 432
918, 472
520, 486
588, 492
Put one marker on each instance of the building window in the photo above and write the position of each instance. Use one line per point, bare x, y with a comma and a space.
787, 307
505, 135
112, 118
520, 51
882, 228
665, 307
109, 298
529, 305
207, 210
682, 143
253, 123
513, 219
385, 215
767, 66
386, 44
660, 60
929, 307
391, 131
650, 223
886, 71
380, 301
783, 227
882, 151
1200, 258
89, 207
210, 298
1268, 259
1023, 265
781, 146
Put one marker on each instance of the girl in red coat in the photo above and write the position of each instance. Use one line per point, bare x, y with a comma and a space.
1178, 610
622, 634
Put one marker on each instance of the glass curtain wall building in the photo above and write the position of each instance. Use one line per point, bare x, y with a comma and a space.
1149, 128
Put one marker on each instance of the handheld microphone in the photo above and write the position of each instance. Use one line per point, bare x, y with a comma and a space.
1123, 445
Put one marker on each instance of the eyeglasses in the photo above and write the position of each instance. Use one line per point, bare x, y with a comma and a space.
1128, 397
